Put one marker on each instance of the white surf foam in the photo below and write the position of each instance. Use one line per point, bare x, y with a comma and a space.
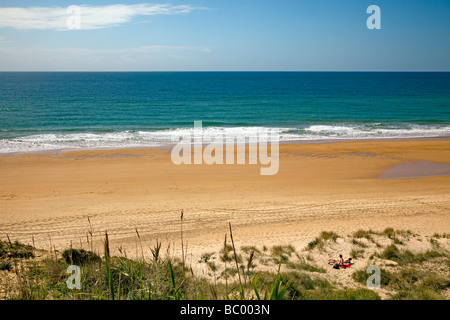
160, 138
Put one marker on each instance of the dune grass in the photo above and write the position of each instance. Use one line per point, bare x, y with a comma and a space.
405, 257
320, 241
15, 250
302, 265
230, 273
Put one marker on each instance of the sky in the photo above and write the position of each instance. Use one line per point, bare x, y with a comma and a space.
223, 35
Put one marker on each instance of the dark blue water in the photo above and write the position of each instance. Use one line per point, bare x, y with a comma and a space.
41, 111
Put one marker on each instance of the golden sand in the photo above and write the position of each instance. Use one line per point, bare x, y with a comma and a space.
319, 187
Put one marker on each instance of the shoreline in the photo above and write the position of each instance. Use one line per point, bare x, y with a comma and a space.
169, 146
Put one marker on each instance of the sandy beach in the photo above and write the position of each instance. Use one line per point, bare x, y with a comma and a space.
340, 187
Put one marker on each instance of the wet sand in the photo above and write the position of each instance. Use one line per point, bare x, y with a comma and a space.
47, 198
416, 169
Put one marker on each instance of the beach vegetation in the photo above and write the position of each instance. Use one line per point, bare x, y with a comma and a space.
80, 256
359, 243
320, 241
361, 276
404, 257
356, 253
279, 272
282, 253
5, 265
302, 265
367, 234
441, 235
412, 284
248, 249
15, 249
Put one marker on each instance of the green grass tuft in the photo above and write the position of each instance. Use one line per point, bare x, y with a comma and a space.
305, 266
80, 257
15, 250
405, 257
319, 242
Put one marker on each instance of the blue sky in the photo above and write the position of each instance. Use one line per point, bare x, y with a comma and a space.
225, 35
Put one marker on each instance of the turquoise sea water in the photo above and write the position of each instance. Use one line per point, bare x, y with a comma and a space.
47, 111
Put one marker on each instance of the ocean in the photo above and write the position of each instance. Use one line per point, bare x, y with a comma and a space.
45, 111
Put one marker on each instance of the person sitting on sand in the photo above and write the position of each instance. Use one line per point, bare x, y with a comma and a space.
349, 263
340, 261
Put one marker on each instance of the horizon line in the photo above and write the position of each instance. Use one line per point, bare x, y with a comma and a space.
206, 71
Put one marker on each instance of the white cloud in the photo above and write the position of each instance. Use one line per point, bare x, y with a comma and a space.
160, 49
142, 58
4, 40
90, 17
